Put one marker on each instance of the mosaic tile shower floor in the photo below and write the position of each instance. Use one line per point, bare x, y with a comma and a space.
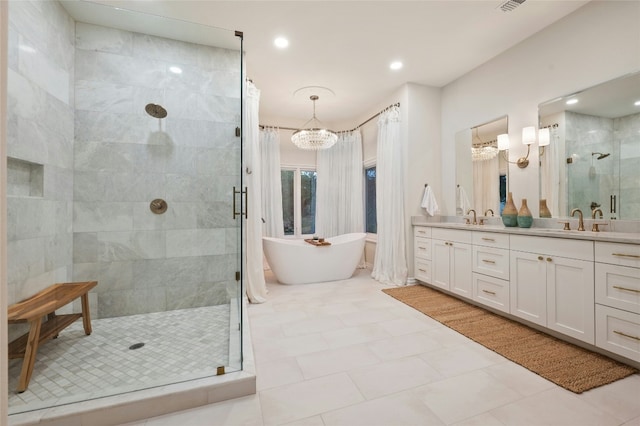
178, 345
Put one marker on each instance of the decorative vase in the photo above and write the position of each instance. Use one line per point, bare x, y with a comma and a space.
524, 215
510, 213
544, 210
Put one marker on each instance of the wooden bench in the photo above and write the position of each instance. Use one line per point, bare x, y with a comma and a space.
34, 310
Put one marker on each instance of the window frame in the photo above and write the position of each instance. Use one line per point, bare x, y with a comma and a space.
367, 165
297, 198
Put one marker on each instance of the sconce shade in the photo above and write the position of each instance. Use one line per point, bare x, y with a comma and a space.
503, 142
528, 135
544, 137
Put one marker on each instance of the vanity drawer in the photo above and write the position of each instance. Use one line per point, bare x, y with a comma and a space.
491, 239
422, 231
618, 332
423, 270
618, 287
491, 261
491, 292
561, 247
422, 247
618, 254
454, 235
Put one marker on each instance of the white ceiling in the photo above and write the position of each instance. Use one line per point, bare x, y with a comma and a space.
347, 46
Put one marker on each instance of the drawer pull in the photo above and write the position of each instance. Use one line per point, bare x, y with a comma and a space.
491, 262
626, 289
626, 335
489, 239
423, 270
422, 248
493, 293
633, 256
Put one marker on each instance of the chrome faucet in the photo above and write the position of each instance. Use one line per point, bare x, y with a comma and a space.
487, 211
594, 227
475, 219
580, 219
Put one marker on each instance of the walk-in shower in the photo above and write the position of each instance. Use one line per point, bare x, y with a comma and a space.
93, 197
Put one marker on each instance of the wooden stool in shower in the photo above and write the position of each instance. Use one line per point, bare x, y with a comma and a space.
35, 310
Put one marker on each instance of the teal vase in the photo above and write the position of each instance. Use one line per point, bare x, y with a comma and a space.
525, 219
510, 213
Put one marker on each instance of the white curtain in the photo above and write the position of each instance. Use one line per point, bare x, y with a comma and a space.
339, 200
486, 186
390, 265
256, 287
271, 183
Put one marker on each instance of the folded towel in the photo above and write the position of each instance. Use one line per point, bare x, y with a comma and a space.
429, 201
462, 201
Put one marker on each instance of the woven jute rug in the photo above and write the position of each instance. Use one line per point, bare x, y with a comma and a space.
565, 364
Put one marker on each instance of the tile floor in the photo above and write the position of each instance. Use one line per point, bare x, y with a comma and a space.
345, 353
176, 349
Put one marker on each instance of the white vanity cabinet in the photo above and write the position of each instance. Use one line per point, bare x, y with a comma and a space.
552, 282
422, 253
491, 269
617, 294
451, 261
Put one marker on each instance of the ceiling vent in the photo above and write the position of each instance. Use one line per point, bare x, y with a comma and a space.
509, 5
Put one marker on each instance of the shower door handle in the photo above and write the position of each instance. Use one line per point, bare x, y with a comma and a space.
239, 213
612, 200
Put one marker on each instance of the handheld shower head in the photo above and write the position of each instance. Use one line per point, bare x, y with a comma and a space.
600, 155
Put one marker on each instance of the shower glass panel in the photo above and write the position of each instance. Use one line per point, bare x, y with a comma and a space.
123, 155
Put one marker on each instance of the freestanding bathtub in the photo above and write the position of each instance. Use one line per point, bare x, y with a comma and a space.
294, 261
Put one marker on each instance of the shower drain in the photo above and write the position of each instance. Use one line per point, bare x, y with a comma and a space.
136, 346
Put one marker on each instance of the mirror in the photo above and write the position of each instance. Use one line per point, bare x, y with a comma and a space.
591, 161
481, 171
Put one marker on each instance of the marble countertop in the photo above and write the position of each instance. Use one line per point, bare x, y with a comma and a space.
497, 226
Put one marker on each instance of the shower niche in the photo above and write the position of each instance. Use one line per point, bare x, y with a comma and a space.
24, 178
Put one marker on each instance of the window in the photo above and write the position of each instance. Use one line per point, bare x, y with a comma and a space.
299, 201
371, 224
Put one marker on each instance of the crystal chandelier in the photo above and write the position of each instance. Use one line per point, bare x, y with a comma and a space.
483, 153
313, 135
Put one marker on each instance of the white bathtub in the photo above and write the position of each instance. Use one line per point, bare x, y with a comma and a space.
294, 261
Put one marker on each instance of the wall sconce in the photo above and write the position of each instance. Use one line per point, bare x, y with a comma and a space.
528, 137
544, 138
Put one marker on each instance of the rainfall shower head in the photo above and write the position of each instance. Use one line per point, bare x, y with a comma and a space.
155, 111
600, 155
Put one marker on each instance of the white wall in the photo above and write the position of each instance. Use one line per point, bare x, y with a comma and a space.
596, 43
4, 364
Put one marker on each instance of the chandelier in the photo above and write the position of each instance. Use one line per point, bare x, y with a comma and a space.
483, 153
313, 135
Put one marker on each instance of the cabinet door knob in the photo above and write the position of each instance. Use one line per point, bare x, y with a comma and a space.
540, 258
549, 259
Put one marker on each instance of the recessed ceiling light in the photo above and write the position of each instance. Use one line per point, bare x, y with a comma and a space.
281, 42
637, 103
395, 65
175, 70
572, 101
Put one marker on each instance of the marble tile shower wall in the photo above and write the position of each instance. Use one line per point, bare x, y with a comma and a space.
615, 174
40, 131
125, 158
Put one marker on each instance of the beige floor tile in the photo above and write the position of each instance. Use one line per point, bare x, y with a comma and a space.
393, 376
525, 382
461, 359
464, 396
484, 419
553, 407
315, 324
309, 421
289, 346
403, 346
354, 335
621, 399
400, 326
309, 398
332, 361
271, 374
400, 409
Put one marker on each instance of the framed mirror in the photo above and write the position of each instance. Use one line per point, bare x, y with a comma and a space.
481, 171
591, 160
